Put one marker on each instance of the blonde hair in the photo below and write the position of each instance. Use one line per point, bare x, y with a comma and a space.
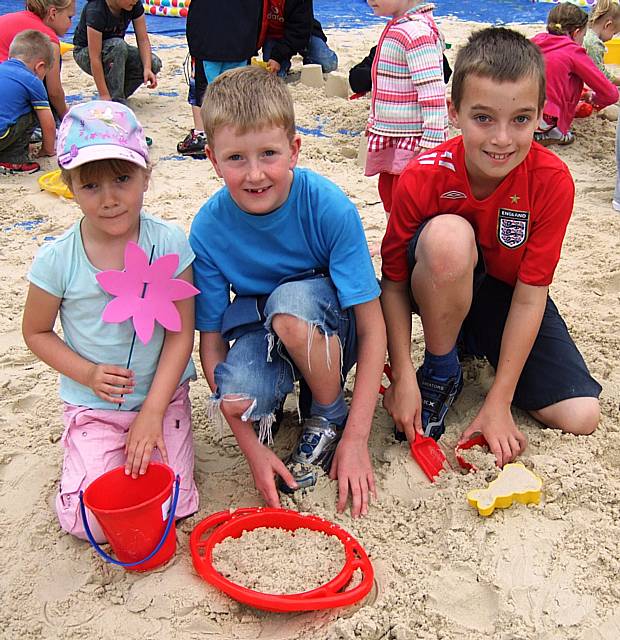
605, 10
41, 7
98, 169
565, 18
31, 47
247, 98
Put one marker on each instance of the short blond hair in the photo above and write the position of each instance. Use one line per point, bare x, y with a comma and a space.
32, 46
247, 99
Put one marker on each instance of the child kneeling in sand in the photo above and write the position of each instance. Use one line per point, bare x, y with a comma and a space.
472, 245
24, 103
290, 245
104, 160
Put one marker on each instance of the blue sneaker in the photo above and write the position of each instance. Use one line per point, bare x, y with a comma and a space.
437, 396
314, 452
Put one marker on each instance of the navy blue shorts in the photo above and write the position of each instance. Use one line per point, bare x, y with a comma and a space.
554, 370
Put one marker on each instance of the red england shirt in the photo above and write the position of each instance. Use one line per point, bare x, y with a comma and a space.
519, 227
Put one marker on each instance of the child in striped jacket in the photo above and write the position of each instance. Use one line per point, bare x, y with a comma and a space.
408, 113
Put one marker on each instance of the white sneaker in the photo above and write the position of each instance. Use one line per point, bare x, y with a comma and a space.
615, 205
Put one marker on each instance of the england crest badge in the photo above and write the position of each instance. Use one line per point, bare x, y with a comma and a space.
512, 227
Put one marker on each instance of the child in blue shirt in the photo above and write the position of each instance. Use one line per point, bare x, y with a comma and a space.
24, 103
291, 247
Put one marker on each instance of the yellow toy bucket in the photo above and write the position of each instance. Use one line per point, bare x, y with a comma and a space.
65, 47
612, 56
52, 182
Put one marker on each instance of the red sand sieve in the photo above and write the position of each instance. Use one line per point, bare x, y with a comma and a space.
233, 524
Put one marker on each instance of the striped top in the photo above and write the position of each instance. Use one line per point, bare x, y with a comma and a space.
409, 93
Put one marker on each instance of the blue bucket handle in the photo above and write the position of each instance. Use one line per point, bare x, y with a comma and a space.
112, 560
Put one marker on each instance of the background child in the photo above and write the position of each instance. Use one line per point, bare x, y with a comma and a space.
603, 25
360, 75
291, 246
103, 155
53, 18
290, 28
220, 36
117, 68
568, 66
473, 240
407, 69
23, 101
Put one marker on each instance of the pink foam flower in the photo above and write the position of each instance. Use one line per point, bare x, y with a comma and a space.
145, 292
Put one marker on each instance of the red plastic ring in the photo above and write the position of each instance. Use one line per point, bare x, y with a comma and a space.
233, 524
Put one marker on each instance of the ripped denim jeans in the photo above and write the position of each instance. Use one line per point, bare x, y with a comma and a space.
259, 369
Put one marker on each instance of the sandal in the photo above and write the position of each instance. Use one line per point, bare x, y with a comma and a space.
543, 137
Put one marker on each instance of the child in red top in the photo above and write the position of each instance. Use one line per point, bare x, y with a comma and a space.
568, 67
473, 241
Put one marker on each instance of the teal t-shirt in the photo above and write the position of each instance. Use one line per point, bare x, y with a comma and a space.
63, 269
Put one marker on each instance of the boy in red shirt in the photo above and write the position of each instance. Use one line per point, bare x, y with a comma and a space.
471, 245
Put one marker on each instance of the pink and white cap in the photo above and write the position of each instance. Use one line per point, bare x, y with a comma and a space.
100, 130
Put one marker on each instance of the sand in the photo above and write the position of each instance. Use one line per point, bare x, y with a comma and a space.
547, 572
273, 560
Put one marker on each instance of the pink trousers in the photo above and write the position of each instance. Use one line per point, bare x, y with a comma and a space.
94, 442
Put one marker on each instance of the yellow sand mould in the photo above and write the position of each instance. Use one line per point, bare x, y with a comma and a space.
52, 182
612, 55
260, 63
65, 47
514, 482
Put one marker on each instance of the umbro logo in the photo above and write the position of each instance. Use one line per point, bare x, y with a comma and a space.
453, 195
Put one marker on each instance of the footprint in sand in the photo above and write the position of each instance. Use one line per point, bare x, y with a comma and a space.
453, 593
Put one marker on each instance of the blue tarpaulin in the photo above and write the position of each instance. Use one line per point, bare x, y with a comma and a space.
350, 14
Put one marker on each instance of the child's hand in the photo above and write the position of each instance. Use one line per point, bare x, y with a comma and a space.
110, 382
145, 434
352, 468
273, 66
403, 402
150, 79
264, 465
497, 426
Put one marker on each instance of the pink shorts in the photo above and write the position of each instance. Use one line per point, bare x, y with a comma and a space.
94, 442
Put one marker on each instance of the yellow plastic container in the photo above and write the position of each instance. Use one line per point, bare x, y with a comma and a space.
257, 62
515, 482
612, 56
52, 182
65, 47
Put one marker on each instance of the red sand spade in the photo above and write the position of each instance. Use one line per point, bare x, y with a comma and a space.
334, 593
424, 450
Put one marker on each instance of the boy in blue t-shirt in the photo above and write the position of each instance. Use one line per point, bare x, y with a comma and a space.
24, 103
291, 246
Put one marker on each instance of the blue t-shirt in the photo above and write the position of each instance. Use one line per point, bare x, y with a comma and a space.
21, 92
317, 227
63, 269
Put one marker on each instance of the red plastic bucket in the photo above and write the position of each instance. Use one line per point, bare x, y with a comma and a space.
134, 513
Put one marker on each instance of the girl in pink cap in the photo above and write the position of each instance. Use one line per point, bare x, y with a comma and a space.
114, 415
